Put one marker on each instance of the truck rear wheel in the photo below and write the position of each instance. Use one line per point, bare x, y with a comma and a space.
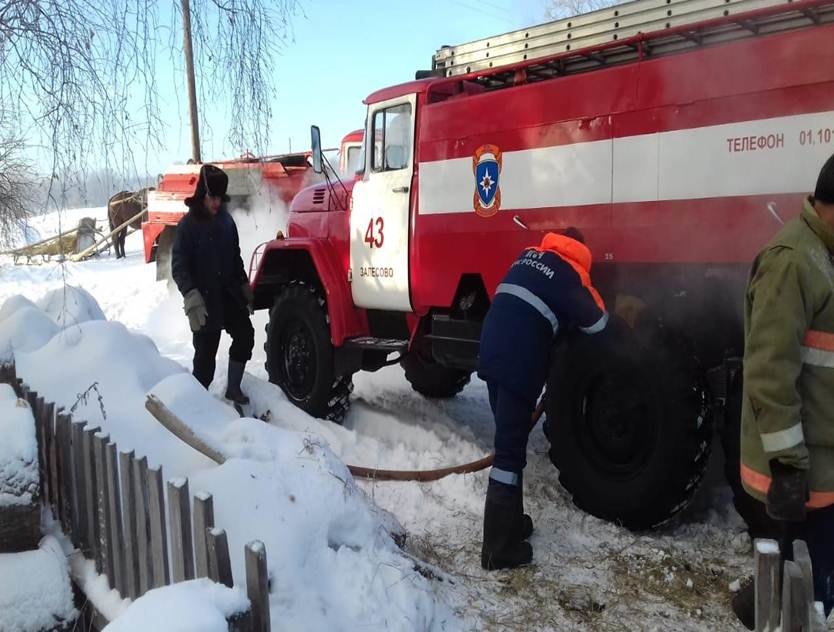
431, 379
629, 430
299, 354
164, 247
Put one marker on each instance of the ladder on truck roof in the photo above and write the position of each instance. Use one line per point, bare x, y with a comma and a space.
607, 36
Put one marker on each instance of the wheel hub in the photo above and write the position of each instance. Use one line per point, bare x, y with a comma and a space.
298, 359
617, 425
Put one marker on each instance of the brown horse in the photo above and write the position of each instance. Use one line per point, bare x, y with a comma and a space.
120, 208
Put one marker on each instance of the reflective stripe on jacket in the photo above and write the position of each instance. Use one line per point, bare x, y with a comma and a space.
545, 290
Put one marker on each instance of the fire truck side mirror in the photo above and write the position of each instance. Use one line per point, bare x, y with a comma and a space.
315, 137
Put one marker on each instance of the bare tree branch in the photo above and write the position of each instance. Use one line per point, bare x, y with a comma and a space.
79, 76
16, 191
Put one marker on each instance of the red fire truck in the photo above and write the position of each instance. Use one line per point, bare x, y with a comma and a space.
282, 176
677, 135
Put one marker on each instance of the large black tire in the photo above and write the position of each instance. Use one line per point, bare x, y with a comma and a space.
629, 425
431, 379
164, 248
299, 354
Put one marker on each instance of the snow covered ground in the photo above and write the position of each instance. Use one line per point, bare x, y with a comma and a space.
35, 592
587, 575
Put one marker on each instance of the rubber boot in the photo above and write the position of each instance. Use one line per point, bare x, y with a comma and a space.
744, 604
233, 391
524, 523
501, 547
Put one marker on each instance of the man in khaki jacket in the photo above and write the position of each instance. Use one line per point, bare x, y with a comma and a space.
787, 421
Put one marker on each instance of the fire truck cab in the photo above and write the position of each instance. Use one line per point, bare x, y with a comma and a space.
676, 135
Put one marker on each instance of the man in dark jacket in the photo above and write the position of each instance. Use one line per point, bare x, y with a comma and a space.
208, 270
547, 290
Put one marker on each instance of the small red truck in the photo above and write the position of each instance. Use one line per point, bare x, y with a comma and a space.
677, 135
282, 176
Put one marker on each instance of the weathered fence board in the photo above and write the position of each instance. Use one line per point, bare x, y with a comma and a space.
65, 486
90, 492
114, 504
131, 559
105, 554
182, 549
220, 566
79, 525
143, 524
803, 559
27, 396
203, 520
767, 561
51, 456
159, 538
38, 410
257, 586
796, 612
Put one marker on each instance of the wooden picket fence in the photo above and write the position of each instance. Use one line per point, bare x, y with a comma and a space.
112, 506
787, 605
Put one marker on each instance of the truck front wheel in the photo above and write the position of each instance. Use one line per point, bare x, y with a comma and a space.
299, 354
630, 430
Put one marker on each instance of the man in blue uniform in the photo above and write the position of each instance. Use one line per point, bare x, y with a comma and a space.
547, 290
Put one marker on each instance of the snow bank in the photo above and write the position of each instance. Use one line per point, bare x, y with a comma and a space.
199, 605
18, 450
330, 554
35, 590
333, 563
70, 306
23, 327
102, 372
13, 304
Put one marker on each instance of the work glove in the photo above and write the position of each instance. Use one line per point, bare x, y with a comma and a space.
195, 309
249, 295
788, 492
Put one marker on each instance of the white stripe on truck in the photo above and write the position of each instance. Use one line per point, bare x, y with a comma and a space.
767, 156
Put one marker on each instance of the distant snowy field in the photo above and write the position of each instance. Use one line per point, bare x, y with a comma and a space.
587, 574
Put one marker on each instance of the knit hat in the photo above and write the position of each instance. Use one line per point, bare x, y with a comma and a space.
825, 184
211, 181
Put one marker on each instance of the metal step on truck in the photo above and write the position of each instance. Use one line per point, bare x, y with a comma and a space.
677, 135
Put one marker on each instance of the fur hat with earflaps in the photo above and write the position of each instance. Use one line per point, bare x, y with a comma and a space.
825, 184
211, 181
